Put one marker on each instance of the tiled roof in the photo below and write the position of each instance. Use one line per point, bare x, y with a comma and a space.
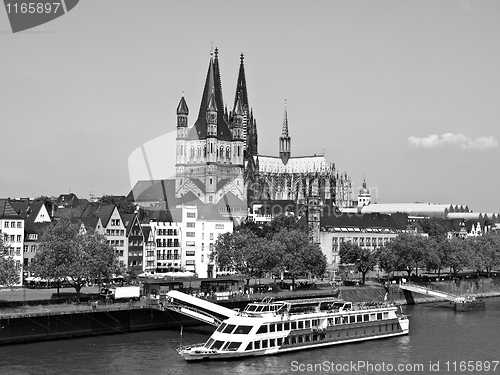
154, 191
7, 211
364, 221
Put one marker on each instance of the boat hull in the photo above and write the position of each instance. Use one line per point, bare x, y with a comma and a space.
192, 356
469, 306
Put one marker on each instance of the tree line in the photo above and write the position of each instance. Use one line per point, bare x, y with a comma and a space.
433, 253
280, 247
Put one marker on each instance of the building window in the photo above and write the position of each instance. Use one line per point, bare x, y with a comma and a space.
189, 262
219, 226
211, 236
190, 243
190, 225
18, 238
190, 253
20, 223
6, 224
191, 214
190, 234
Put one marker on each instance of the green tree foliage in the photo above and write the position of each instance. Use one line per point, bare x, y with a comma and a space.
409, 250
66, 252
277, 223
299, 255
125, 205
455, 254
387, 259
434, 227
9, 272
246, 253
363, 259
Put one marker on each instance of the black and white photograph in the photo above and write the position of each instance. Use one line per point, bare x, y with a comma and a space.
262, 187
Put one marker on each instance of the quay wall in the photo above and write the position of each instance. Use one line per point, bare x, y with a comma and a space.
46, 326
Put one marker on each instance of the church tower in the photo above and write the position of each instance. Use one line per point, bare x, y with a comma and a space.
285, 140
364, 196
210, 153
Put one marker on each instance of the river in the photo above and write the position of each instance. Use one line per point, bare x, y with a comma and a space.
440, 341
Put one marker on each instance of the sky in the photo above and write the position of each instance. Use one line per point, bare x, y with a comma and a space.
403, 93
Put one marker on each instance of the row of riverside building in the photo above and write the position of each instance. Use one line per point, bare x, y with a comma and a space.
152, 240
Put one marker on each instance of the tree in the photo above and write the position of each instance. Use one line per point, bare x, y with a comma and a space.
246, 253
434, 227
409, 250
387, 260
455, 254
80, 257
299, 255
9, 271
125, 205
363, 259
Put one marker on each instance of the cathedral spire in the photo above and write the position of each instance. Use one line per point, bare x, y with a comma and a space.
285, 140
241, 86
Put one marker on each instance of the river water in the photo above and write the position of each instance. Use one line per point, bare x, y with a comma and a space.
440, 341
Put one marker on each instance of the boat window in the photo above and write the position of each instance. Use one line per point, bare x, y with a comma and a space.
286, 341
226, 345
366, 317
259, 308
266, 308
372, 316
294, 325
386, 315
308, 338
272, 342
221, 327
379, 315
209, 342
272, 327
229, 328
279, 327
242, 330
345, 319
294, 339
264, 344
315, 322
352, 319
251, 308
307, 324
280, 341
359, 318
262, 329
217, 344
233, 346
338, 320
249, 346
301, 324
256, 344
286, 326
301, 339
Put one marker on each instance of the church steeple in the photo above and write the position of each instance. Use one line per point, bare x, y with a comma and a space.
241, 87
182, 118
285, 140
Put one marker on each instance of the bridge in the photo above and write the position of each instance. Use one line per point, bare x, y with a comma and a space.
197, 308
430, 292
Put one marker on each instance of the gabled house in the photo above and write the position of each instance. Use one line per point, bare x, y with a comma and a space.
135, 243
12, 231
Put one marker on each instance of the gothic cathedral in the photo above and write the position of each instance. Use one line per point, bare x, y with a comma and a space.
217, 162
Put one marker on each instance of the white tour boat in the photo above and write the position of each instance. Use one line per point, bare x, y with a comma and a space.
272, 327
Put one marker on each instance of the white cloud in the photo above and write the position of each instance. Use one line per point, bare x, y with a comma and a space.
457, 140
